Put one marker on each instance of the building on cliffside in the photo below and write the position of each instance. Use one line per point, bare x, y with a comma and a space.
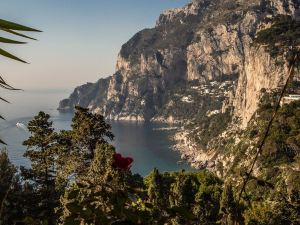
288, 99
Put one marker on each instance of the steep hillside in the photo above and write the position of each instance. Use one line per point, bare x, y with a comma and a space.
197, 67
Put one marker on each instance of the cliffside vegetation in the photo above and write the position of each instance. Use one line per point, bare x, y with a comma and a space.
198, 108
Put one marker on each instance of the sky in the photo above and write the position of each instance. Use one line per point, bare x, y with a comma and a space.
80, 39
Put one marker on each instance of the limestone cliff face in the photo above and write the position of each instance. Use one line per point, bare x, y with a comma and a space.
260, 71
196, 65
87, 95
205, 41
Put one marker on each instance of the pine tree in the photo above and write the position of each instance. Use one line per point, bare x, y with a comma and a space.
89, 130
183, 191
158, 197
155, 189
18, 199
227, 205
207, 198
7, 175
182, 198
69, 160
42, 153
101, 195
76, 147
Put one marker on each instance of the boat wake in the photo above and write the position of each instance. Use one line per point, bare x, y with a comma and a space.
166, 128
21, 126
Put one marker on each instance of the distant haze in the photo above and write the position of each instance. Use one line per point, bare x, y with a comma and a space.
80, 39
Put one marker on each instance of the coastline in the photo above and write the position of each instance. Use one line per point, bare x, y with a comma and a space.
190, 152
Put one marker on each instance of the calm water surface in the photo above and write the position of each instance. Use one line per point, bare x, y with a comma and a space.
145, 142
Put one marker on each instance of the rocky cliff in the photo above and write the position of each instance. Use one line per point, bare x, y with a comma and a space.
197, 62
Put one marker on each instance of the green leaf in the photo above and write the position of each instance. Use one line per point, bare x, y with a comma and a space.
10, 41
14, 26
8, 55
16, 33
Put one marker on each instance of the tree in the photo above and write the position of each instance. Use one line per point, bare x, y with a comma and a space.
89, 130
42, 153
7, 176
182, 198
228, 205
207, 199
69, 159
76, 147
11, 28
101, 195
155, 189
183, 191
270, 211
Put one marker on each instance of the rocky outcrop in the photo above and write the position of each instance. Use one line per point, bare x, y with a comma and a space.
87, 95
196, 60
258, 74
203, 41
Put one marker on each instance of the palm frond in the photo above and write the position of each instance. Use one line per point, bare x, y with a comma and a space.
12, 28
10, 41
15, 26
5, 85
17, 33
2, 142
4, 100
8, 55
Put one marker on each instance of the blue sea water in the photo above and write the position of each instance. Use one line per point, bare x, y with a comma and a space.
148, 144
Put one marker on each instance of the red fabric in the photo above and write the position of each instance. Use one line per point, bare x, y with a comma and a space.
123, 163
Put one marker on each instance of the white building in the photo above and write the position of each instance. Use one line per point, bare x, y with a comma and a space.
288, 99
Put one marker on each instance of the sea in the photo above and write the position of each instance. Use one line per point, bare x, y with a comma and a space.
149, 144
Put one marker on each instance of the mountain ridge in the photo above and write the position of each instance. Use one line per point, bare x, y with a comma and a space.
196, 66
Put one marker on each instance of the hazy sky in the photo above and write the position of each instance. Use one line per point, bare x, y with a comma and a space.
80, 39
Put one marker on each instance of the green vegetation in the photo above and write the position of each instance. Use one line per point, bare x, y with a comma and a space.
282, 38
282, 145
269, 193
77, 178
186, 110
202, 127
209, 127
41, 175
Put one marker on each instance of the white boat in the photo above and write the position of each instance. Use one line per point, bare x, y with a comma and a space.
21, 126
